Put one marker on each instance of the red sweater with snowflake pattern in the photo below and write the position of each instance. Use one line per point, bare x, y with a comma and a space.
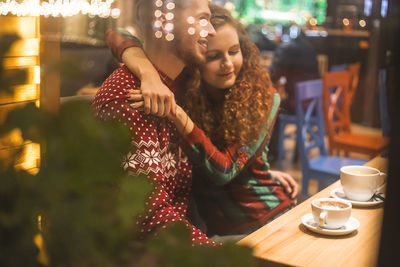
155, 152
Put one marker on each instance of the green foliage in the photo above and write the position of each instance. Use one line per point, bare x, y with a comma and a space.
17, 219
17, 189
172, 248
87, 203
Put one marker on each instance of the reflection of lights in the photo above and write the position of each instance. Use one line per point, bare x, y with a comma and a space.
203, 22
384, 8
278, 29
191, 20
31, 158
367, 7
285, 38
170, 5
157, 24
294, 31
203, 33
315, 33
271, 36
229, 6
312, 33
169, 37
56, 8
313, 21
264, 31
159, 3
36, 74
158, 34
169, 16
362, 23
115, 13
191, 31
346, 22
169, 27
324, 33
278, 15
158, 13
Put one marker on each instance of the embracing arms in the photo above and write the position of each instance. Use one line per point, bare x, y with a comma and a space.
157, 97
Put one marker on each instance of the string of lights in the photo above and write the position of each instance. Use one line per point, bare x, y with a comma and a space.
168, 28
163, 24
56, 8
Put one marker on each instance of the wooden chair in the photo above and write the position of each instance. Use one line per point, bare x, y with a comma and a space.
336, 103
311, 137
354, 70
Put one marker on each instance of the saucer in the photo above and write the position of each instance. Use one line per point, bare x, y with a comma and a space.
338, 193
351, 225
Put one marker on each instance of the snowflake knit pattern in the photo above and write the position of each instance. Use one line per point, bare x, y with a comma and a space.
155, 152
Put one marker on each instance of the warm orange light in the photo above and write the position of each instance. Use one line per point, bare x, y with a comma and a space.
26, 92
31, 159
346, 22
24, 48
313, 21
42, 256
36, 74
363, 44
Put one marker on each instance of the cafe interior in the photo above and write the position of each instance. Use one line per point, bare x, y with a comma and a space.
345, 114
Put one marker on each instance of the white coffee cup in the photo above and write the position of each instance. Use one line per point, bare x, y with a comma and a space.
331, 213
360, 183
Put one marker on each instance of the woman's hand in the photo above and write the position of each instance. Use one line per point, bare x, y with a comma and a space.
288, 183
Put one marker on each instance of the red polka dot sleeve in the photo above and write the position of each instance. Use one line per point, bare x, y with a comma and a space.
154, 152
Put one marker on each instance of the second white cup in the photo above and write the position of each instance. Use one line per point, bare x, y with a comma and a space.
331, 213
360, 183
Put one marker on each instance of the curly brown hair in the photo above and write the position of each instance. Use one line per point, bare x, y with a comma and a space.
242, 115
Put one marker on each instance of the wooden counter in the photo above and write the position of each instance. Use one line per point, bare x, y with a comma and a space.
285, 240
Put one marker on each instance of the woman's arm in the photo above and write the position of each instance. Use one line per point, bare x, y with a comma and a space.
157, 97
221, 166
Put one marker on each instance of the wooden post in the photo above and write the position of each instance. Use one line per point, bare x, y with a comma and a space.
49, 55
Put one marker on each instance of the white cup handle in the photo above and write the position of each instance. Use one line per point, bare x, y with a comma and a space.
322, 218
384, 175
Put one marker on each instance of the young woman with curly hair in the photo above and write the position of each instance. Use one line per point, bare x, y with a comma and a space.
227, 125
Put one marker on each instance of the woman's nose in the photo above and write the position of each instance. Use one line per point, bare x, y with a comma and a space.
227, 63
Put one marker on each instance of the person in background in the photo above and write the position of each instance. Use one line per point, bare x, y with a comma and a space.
293, 62
155, 141
230, 117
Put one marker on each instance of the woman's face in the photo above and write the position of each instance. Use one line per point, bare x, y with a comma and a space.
223, 58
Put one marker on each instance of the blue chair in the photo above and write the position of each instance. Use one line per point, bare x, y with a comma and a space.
341, 67
284, 120
311, 136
